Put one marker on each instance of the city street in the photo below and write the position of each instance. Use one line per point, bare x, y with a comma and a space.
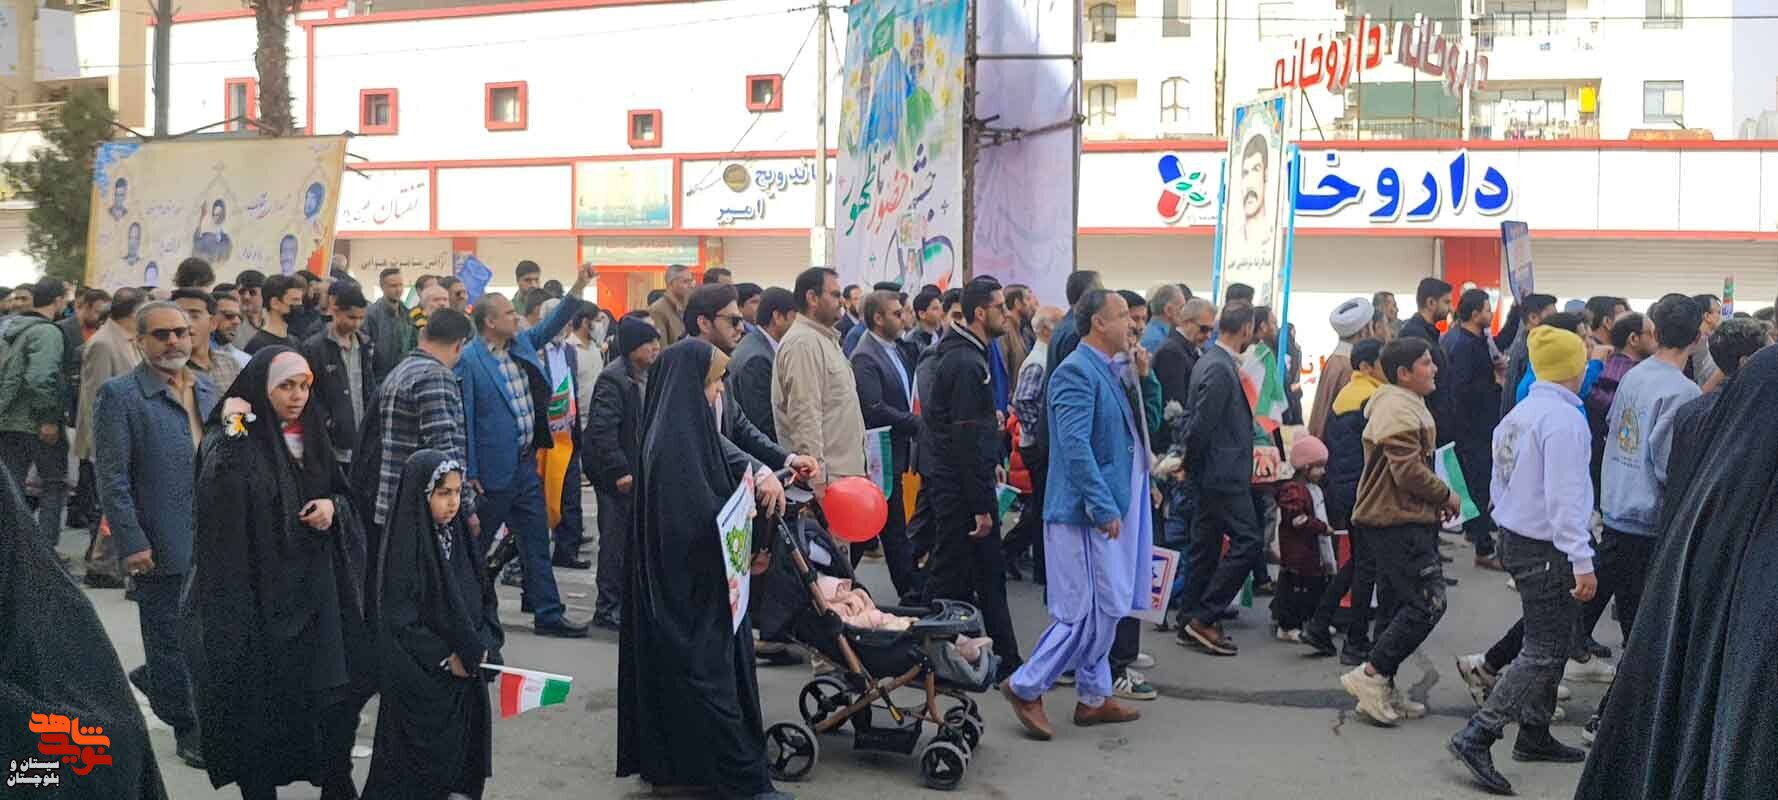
1270, 723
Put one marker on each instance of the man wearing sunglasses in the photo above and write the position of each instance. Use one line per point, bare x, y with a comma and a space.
148, 423
225, 327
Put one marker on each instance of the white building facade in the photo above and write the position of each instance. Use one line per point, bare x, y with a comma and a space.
640, 135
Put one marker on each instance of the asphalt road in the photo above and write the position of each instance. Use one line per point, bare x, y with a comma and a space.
1270, 723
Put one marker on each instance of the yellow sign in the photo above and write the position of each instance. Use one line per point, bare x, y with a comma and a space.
264, 204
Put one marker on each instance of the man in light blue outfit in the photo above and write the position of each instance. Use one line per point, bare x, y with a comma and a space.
1098, 525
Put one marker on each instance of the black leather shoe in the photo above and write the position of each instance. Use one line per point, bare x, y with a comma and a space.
99, 580
571, 563
139, 678
1474, 754
1318, 638
1536, 744
606, 623
190, 751
562, 629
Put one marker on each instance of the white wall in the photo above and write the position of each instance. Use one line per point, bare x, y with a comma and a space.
584, 70
1756, 60
208, 53
1699, 52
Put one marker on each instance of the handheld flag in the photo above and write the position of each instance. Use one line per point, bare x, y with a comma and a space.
1452, 474
522, 689
1265, 392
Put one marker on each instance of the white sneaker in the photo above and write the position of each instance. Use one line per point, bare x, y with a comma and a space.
1408, 709
1512, 584
1143, 661
1372, 692
1291, 635
1563, 693
1593, 670
1473, 669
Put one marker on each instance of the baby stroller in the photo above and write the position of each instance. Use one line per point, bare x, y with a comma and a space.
787, 605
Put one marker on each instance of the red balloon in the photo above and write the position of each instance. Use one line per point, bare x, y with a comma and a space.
855, 509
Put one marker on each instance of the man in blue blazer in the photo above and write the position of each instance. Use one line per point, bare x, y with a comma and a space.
886, 396
1219, 459
146, 426
1098, 524
506, 416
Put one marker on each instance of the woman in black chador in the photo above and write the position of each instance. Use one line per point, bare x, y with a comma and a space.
1691, 713
688, 703
277, 595
436, 623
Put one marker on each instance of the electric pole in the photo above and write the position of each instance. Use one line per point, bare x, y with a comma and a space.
818, 235
163, 46
1222, 62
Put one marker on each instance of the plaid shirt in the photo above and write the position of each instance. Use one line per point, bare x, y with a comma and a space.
421, 408
520, 389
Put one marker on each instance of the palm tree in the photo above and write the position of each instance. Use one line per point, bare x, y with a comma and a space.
273, 61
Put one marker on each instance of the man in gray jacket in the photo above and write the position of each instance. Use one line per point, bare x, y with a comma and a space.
149, 422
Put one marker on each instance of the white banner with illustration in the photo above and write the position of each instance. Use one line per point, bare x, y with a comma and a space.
734, 535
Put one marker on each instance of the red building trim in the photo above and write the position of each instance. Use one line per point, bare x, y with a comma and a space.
394, 126
777, 101
488, 106
630, 127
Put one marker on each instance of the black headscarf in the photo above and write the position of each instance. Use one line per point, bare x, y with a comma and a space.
55, 658
1690, 714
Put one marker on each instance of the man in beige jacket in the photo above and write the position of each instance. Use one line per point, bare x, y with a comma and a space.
668, 313
814, 396
110, 353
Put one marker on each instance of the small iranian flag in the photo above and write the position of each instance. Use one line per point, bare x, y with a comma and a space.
1005, 495
1451, 473
1265, 392
522, 690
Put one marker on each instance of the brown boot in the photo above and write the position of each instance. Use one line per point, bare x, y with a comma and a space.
1108, 712
1030, 713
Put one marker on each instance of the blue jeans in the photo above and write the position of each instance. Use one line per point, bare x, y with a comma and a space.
520, 508
169, 678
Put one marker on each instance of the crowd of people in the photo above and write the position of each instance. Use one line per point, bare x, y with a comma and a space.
310, 489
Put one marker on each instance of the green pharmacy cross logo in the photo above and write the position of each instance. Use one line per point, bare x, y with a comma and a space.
1180, 190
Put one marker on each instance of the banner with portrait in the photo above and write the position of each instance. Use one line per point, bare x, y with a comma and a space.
1253, 226
266, 204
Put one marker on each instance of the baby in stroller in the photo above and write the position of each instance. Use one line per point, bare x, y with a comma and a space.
810, 596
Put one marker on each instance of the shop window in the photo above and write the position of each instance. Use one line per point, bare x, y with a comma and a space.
645, 128
1275, 19
378, 111
505, 106
1173, 92
1103, 20
240, 98
765, 92
1664, 14
1102, 104
1176, 18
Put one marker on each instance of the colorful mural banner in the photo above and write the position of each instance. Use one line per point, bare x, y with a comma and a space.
262, 203
898, 208
612, 195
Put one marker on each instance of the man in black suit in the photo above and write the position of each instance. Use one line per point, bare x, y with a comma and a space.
886, 396
1219, 459
1180, 350
713, 315
750, 373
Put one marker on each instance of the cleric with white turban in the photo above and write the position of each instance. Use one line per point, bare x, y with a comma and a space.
1350, 320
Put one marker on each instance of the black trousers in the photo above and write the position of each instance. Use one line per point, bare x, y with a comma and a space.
1527, 693
1622, 570
1213, 578
973, 571
614, 530
1408, 563
898, 553
1029, 532
1297, 598
919, 527
1477, 462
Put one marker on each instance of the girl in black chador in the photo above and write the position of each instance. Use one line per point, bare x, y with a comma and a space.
436, 623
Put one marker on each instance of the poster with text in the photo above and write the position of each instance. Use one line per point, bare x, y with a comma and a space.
262, 203
898, 199
1515, 237
1023, 188
1163, 565
1256, 204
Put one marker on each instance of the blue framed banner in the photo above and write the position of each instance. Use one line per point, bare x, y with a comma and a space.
1516, 240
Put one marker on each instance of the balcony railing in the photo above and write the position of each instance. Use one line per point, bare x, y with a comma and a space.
30, 117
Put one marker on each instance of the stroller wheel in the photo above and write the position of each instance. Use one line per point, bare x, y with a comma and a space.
942, 765
791, 750
822, 698
969, 726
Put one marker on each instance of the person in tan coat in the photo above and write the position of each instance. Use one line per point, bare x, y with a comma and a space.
668, 313
814, 394
1401, 502
111, 352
